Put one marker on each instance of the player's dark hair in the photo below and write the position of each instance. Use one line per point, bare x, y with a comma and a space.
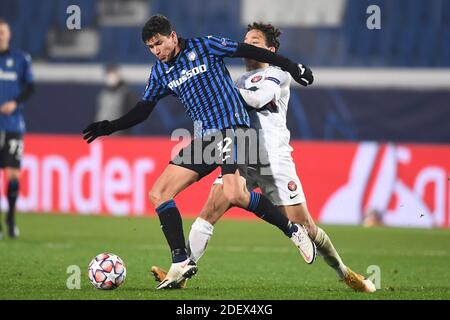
156, 24
3, 21
270, 32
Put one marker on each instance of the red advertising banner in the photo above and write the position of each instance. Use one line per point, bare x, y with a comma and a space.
408, 184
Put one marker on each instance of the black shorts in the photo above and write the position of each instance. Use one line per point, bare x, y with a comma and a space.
11, 149
226, 148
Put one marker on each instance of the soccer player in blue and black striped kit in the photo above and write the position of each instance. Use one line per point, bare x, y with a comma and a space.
16, 86
194, 71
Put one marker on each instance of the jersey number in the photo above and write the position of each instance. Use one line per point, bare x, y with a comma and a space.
16, 148
225, 149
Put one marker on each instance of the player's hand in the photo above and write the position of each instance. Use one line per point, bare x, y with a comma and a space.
97, 129
8, 107
301, 74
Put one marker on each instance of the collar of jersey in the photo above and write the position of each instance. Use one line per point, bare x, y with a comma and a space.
7, 51
257, 70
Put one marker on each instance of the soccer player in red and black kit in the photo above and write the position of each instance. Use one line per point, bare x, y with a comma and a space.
194, 71
16, 86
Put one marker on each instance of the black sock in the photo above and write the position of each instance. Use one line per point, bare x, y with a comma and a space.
13, 192
172, 226
266, 210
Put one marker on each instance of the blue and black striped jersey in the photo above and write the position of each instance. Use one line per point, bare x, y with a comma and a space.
199, 78
15, 71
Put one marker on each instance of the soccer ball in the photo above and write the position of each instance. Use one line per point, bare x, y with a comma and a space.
107, 271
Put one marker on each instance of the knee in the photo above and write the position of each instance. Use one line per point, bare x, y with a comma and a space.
232, 198
236, 198
13, 174
157, 197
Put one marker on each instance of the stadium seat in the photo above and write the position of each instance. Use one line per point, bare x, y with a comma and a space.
413, 33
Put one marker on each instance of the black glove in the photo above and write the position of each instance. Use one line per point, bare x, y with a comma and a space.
97, 129
301, 74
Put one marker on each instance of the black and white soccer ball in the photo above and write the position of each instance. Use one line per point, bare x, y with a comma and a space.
107, 271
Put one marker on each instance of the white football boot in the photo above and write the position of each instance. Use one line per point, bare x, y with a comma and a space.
304, 244
178, 273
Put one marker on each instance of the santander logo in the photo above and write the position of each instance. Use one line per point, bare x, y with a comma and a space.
395, 180
408, 183
88, 183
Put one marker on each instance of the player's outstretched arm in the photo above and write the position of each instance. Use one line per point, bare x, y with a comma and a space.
301, 73
260, 97
136, 115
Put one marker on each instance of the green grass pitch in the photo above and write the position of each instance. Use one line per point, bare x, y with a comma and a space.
245, 260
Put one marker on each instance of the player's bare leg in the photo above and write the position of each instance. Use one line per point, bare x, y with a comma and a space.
218, 203
299, 214
13, 176
172, 181
216, 206
201, 229
236, 193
